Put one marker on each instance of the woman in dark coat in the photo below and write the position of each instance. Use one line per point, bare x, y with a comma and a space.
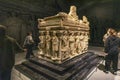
112, 49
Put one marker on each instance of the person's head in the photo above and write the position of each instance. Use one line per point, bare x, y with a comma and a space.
108, 31
54, 33
29, 33
73, 9
2, 30
113, 32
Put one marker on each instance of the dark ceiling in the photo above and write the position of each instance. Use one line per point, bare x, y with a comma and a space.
55, 6
102, 14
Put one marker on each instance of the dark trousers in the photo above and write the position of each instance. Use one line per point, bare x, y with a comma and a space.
29, 51
111, 60
5, 75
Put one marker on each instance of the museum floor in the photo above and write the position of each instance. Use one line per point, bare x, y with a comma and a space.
96, 74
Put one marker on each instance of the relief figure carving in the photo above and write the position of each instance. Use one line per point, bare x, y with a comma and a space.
41, 45
47, 40
72, 43
81, 37
55, 44
77, 43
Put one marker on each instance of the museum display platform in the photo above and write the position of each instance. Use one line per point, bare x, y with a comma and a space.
77, 68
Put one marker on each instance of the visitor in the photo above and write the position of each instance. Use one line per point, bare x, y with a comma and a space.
112, 49
29, 44
107, 34
8, 46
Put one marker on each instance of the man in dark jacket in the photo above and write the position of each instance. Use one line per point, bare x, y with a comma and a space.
112, 49
8, 46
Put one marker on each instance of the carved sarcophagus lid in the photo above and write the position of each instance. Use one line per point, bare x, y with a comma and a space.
63, 21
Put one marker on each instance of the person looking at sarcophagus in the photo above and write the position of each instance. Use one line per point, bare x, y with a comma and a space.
106, 35
29, 44
112, 50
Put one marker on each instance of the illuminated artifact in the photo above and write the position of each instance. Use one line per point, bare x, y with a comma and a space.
63, 36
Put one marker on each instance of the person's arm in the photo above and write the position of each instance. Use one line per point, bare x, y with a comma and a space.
17, 46
106, 50
105, 37
24, 42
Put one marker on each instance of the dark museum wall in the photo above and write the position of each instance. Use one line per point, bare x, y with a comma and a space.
20, 16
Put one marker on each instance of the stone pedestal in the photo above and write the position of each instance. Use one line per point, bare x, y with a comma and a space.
77, 68
18, 75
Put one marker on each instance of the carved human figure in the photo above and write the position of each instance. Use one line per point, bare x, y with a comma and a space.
72, 43
41, 45
77, 43
64, 44
85, 20
47, 40
62, 14
81, 37
86, 38
55, 44
64, 40
72, 14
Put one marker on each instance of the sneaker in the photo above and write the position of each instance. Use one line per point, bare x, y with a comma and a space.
115, 73
106, 72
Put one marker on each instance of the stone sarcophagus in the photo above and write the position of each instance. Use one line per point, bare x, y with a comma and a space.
63, 36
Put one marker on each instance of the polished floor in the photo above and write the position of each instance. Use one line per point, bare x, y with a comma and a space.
96, 74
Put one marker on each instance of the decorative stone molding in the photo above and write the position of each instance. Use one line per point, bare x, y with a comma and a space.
63, 36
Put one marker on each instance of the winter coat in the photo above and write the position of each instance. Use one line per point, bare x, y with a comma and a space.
112, 45
8, 46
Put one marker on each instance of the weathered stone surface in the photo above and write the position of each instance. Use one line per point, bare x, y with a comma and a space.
63, 35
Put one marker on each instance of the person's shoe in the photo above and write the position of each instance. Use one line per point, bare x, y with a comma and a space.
106, 71
115, 72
